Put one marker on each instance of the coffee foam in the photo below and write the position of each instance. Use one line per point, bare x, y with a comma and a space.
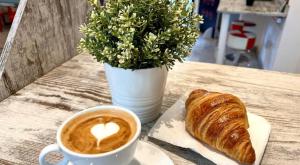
102, 131
99, 131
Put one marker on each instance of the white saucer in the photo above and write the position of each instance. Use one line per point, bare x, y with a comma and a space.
148, 154
145, 154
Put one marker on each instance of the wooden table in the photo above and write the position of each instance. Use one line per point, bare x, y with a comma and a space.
29, 119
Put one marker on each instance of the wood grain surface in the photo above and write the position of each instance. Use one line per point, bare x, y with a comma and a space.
29, 118
44, 34
262, 8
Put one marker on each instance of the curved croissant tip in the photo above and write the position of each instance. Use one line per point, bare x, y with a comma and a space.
250, 159
198, 91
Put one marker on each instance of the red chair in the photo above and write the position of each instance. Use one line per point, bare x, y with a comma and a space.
241, 41
11, 12
242, 25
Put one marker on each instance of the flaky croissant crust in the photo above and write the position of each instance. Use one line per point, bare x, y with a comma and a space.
220, 120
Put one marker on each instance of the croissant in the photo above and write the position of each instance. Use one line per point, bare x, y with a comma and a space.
220, 120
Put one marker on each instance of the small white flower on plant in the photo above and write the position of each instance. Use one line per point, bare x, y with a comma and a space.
152, 37
121, 61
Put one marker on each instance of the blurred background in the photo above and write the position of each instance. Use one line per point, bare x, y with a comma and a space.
7, 12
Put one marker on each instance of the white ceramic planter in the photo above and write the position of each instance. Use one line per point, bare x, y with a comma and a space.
140, 90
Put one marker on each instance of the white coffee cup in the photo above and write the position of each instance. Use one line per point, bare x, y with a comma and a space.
120, 156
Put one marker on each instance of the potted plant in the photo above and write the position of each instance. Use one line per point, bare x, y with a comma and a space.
138, 42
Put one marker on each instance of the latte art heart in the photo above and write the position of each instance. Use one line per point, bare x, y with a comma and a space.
98, 131
102, 131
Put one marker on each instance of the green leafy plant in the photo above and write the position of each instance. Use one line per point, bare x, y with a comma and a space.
137, 34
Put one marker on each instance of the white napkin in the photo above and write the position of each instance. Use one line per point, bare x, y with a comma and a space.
170, 128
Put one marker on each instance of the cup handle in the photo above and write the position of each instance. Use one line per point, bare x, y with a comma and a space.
46, 151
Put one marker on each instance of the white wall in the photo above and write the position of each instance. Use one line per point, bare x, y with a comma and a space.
288, 54
271, 42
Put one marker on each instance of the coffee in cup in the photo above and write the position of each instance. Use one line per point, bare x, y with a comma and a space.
98, 132
100, 135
